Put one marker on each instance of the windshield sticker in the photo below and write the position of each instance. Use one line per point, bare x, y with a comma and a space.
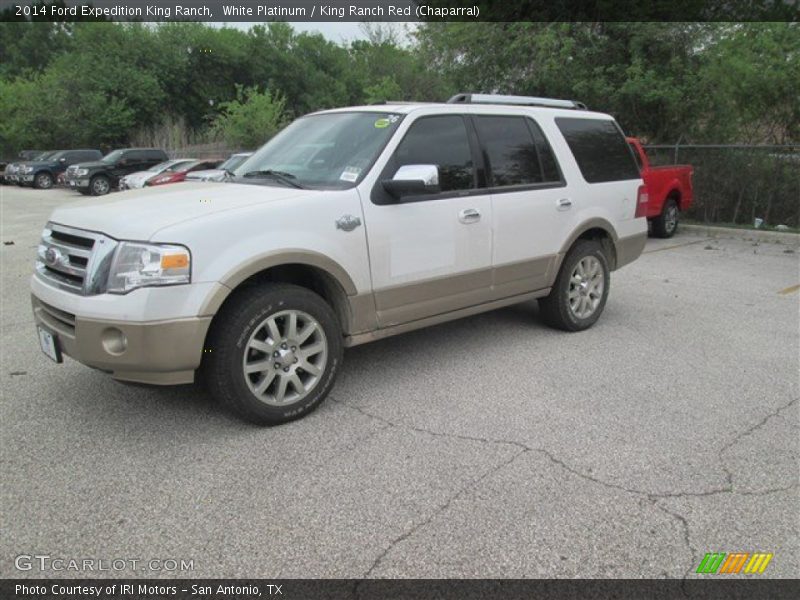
382, 123
350, 173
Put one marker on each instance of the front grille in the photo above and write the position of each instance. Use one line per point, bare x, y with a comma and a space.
72, 259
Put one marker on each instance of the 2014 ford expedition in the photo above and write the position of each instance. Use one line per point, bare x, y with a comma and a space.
350, 225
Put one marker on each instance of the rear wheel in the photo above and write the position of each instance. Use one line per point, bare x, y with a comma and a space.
579, 294
273, 353
99, 185
666, 224
43, 181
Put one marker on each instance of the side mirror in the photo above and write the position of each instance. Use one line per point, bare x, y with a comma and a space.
411, 180
62, 160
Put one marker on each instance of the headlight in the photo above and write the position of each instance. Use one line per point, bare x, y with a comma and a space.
27, 169
81, 172
138, 265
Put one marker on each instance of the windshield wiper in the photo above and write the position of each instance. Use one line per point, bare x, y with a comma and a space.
283, 177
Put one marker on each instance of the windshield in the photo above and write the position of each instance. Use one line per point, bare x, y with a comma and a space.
44, 156
234, 161
113, 156
168, 165
326, 151
57, 155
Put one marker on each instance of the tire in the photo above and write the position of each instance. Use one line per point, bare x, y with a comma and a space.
43, 181
666, 224
100, 185
576, 305
242, 334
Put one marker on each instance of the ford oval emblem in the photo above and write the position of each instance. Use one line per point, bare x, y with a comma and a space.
52, 256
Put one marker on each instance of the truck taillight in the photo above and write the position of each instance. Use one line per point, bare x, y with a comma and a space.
641, 202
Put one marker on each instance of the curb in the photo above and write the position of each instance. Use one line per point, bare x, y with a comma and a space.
753, 235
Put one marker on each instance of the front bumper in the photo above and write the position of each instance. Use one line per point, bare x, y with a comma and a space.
80, 183
163, 352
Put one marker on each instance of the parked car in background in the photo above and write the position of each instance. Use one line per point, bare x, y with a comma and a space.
30, 154
179, 173
100, 177
12, 172
138, 179
43, 173
219, 173
669, 189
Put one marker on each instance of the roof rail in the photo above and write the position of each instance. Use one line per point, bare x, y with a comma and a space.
515, 100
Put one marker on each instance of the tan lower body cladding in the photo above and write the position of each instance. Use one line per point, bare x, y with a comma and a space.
407, 307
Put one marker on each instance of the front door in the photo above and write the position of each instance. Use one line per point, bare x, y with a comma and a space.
431, 254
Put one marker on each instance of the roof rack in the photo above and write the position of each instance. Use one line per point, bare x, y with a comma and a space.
515, 100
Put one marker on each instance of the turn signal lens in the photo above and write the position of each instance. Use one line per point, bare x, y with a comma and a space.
174, 261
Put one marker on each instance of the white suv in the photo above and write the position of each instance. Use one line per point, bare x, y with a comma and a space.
349, 226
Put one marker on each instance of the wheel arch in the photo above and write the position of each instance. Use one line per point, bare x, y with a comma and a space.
597, 229
675, 194
310, 270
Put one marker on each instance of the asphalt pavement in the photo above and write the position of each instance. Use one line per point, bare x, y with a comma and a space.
486, 447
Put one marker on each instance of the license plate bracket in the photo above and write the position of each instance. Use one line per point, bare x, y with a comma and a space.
48, 341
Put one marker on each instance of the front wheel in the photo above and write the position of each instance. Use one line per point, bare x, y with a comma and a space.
579, 294
273, 353
100, 185
43, 181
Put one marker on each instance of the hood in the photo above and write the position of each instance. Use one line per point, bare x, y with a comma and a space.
92, 164
139, 175
36, 163
206, 173
139, 214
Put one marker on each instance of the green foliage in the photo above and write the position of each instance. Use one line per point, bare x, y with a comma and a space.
251, 119
97, 84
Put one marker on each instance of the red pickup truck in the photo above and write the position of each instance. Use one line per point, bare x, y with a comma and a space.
669, 189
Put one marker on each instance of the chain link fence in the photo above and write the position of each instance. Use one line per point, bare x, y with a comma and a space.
737, 184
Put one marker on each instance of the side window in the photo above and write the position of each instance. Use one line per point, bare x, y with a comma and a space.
550, 170
510, 150
131, 156
440, 141
599, 148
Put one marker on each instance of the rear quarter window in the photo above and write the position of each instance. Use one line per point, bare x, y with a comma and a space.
599, 149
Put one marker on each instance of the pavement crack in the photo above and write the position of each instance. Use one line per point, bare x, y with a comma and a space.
439, 510
684, 523
726, 488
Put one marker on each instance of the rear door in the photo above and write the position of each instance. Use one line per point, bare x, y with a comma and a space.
431, 254
530, 202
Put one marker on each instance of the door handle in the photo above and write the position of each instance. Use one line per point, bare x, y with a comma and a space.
564, 204
469, 215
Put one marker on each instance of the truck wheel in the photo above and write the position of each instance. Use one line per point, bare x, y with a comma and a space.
273, 353
666, 224
43, 181
581, 288
99, 185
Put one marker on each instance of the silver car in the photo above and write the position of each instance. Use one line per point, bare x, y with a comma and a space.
218, 174
139, 178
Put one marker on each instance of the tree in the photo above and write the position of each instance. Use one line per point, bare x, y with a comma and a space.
251, 119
